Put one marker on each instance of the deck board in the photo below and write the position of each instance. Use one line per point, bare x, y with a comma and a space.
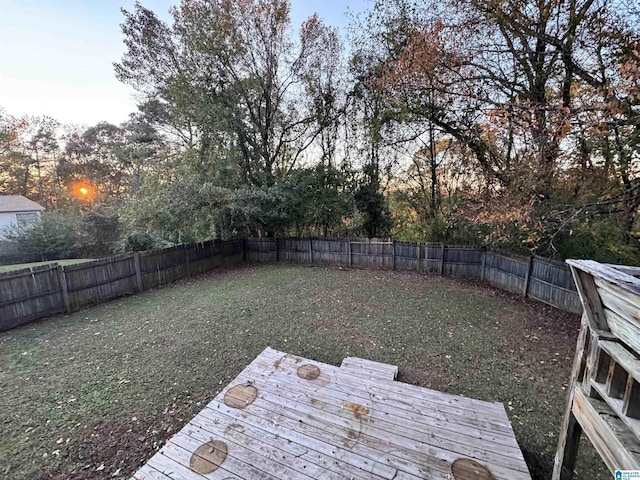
327, 422
369, 369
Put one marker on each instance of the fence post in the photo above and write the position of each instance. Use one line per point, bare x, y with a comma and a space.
244, 249
310, 250
136, 265
186, 258
418, 255
277, 252
374, 250
484, 259
350, 261
527, 277
62, 280
441, 258
393, 252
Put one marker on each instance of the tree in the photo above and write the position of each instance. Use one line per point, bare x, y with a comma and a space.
100, 158
517, 85
225, 79
28, 156
325, 86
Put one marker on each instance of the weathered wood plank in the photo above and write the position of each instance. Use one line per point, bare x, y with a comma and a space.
174, 458
345, 449
310, 397
147, 472
334, 425
430, 417
617, 446
293, 388
136, 264
590, 299
603, 271
619, 300
273, 450
62, 281
607, 403
617, 407
570, 430
454, 404
305, 454
627, 269
623, 357
266, 462
623, 329
388, 441
362, 367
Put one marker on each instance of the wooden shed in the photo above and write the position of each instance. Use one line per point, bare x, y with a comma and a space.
604, 394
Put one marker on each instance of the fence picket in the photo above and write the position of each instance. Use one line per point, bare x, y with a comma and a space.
62, 280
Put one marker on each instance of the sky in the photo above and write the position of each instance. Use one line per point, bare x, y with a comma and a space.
56, 57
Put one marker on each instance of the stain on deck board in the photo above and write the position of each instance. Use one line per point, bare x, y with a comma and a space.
308, 372
208, 457
358, 410
467, 469
240, 396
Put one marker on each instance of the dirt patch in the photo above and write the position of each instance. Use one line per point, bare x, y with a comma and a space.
112, 450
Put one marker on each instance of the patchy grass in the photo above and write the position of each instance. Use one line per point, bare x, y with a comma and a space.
18, 266
94, 394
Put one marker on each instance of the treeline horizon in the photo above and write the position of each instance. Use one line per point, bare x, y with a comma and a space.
477, 122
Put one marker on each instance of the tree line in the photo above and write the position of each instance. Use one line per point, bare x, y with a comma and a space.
502, 122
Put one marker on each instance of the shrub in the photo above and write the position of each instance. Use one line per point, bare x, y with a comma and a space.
140, 241
54, 236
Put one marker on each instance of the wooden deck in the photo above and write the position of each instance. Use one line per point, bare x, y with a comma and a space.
286, 417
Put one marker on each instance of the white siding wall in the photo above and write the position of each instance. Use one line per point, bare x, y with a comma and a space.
9, 218
6, 219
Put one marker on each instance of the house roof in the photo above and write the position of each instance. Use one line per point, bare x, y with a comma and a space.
17, 203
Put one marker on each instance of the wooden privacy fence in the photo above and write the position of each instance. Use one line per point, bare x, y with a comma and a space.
30, 294
536, 277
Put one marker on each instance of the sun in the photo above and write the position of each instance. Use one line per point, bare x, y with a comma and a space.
84, 190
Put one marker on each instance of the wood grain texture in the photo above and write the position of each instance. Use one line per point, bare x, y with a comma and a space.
616, 445
605, 404
334, 424
368, 368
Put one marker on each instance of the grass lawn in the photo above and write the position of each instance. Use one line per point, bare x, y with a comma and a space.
94, 394
18, 266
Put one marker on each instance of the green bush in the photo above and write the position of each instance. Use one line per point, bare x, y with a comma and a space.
55, 236
140, 241
98, 234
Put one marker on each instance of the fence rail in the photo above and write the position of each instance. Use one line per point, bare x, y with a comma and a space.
545, 280
33, 293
